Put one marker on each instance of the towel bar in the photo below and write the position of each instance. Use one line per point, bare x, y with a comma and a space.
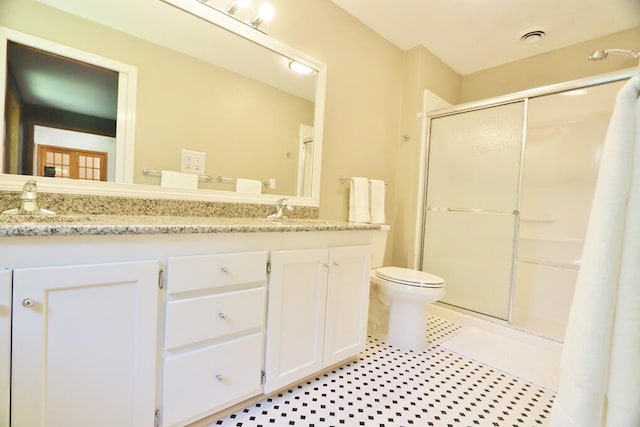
152, 172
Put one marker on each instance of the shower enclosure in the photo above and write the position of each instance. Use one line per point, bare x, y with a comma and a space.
508, 194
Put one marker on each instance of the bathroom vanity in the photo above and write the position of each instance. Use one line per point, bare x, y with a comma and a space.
143, 321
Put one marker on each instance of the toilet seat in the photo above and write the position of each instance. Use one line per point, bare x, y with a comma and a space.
409, 277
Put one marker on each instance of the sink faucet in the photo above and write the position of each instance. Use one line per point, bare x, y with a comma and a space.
281, 205
28, 202
28, 198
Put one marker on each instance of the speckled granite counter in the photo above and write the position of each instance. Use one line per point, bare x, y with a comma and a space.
78, 204
15, 225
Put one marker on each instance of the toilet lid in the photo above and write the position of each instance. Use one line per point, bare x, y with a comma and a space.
410, 277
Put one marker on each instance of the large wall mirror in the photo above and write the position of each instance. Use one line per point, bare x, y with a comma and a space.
148, 82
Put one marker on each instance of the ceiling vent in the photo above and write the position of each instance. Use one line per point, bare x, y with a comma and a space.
532, 36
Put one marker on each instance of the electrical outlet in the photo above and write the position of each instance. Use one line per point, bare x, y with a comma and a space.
192, 162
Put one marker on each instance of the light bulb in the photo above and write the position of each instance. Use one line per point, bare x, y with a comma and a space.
266, 12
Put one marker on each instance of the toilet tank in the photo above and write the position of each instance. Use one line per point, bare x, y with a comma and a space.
378, 246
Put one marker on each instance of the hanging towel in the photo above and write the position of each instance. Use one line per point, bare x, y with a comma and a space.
376, 200
600, 374
178, 179
253, 186
359, 199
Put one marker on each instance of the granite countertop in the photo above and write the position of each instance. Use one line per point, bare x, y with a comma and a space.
19, 225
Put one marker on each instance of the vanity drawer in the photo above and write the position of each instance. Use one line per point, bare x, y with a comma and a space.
192, 320
192, 273
203, 381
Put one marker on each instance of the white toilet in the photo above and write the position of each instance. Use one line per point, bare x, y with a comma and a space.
407, 293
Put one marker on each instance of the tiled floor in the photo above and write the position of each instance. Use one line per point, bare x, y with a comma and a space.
386, 387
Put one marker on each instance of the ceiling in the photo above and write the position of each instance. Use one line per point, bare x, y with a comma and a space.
472, 35
46, 80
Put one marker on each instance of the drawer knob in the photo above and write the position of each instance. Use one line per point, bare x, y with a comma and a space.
222, 316
225, 270
220, 378
28, 302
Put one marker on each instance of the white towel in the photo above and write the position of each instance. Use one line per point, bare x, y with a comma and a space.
376, 201
600, 375
178, 179
248, 186
359, 200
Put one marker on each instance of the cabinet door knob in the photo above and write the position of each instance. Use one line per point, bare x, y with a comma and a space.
222, 316
28, 302
225, 270
220, 378
334, 264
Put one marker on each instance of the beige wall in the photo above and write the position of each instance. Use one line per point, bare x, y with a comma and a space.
558, 66
363, 98
374, 95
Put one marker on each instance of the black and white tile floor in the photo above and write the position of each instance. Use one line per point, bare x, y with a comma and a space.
386, 387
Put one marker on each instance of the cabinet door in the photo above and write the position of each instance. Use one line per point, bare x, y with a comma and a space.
84, 345
5, 345
295, 316
347, 303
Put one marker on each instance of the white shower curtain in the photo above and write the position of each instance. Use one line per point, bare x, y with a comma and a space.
600, 377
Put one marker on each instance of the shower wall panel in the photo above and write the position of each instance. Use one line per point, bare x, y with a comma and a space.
564, 140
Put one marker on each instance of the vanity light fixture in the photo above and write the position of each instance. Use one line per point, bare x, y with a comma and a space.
233, 7
266, 12
299, 68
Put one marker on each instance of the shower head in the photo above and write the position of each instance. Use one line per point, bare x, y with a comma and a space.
598, 55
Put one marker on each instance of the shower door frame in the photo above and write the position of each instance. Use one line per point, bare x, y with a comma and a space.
523, 96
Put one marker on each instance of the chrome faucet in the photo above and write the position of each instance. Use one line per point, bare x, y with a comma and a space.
281, 205
29, 201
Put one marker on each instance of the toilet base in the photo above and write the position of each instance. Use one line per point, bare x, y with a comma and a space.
407, 326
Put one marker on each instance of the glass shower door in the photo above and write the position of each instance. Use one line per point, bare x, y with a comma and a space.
472, 205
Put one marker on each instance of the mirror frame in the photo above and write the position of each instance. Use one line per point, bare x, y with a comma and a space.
126, 121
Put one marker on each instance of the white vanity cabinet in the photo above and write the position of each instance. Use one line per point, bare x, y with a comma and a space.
317, 317
84, 345
105, 342
5, 345
214, 333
